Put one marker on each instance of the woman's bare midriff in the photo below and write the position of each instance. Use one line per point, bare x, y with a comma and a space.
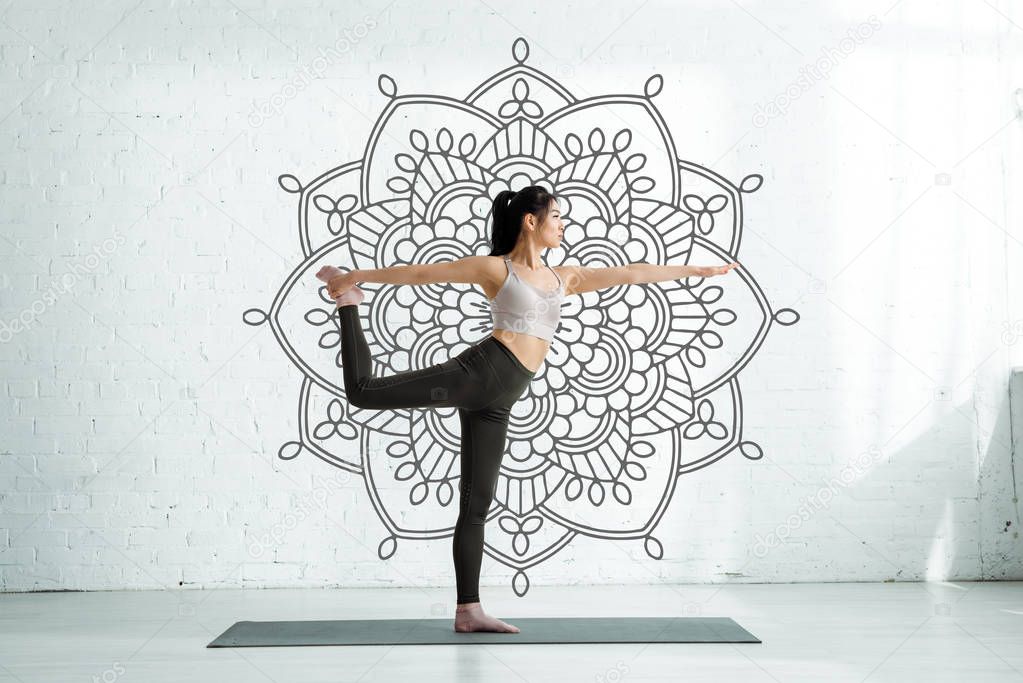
528, 349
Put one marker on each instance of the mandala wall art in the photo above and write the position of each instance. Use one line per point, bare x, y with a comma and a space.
641, 385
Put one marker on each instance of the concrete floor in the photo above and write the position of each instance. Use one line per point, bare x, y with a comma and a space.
810, 632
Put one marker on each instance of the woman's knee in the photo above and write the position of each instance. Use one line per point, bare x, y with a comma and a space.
476, 506
358, 396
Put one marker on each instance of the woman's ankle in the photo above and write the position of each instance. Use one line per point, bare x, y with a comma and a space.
466, 606
352, 298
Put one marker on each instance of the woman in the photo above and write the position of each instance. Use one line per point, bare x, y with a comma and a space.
485, 380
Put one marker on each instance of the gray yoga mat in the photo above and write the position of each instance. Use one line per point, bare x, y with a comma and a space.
441, 632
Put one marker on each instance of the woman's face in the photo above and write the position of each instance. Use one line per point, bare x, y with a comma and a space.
549, 233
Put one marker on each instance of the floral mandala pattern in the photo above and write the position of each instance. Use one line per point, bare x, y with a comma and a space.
641, 384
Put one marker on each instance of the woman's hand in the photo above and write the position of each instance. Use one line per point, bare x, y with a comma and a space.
707, 271
338, 281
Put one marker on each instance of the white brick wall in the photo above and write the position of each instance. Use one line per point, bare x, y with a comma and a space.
128, 158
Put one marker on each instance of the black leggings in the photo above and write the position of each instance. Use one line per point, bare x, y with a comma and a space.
483, 382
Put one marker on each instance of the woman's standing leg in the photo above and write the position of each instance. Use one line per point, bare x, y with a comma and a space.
484, 435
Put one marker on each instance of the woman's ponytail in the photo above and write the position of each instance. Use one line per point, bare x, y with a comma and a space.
500, 211
507, 212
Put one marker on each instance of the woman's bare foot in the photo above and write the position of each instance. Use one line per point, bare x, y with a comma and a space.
327, 272
353, 297
470, 617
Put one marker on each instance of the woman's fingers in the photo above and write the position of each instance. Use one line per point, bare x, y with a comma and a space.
338, 285
707, 271
337, 280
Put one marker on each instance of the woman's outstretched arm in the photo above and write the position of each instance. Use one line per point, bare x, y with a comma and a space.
579, 279
468, 270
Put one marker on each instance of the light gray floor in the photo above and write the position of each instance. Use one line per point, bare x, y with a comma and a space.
811, 632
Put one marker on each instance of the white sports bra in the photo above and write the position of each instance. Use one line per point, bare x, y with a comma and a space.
525, 308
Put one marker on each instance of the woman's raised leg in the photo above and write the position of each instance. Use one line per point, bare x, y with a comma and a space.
422, 388
446, 384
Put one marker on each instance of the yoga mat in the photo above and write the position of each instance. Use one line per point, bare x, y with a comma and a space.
441, 632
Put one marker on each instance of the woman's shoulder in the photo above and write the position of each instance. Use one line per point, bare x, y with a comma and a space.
496, 272
568, 274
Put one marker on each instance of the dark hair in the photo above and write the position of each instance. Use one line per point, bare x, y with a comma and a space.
508, 211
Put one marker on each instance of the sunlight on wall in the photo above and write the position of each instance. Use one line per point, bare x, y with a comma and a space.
942, 547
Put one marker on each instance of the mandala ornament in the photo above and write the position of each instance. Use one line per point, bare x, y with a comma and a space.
641, 384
